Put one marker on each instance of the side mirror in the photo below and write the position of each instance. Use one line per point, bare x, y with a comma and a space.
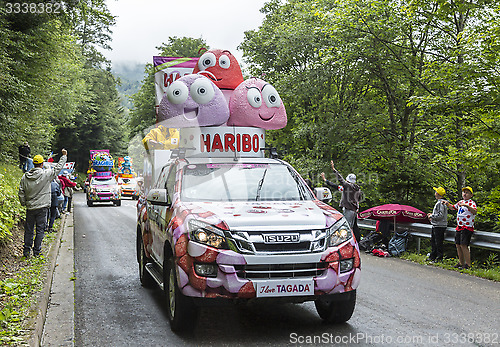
158, 197
323, 194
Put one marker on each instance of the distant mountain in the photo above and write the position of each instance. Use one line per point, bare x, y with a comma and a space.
131, 75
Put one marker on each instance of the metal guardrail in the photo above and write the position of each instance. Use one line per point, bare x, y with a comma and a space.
482, 239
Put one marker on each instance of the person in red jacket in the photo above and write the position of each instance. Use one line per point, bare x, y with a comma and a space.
67, 188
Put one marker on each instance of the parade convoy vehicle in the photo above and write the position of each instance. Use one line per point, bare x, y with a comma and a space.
102, 185
103, 190
128, 185
222, 223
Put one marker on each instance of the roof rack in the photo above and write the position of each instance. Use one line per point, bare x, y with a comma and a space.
273, 152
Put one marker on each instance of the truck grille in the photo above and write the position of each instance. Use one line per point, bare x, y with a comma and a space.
280, 270
290, 241
283, 247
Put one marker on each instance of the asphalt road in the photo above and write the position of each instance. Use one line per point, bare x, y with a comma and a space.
399, 303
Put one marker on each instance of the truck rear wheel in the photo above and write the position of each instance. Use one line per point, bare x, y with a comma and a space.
147, 280
117, 202
89, 203
334, 309
182, 312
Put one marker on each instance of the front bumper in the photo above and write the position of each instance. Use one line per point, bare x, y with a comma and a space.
289, 277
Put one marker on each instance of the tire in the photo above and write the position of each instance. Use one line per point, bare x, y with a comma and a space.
336, 310
147, 281
117, 202
89, 203
181, 311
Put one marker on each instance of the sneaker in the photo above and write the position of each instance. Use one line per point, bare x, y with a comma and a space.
465, 267
458, 266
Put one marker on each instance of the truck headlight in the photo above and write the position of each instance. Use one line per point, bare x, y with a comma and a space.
207, 234
339, 233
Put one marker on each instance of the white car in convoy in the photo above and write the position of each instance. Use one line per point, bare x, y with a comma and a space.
103, 190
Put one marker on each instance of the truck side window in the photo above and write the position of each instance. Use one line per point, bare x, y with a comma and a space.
170, 184
162, 178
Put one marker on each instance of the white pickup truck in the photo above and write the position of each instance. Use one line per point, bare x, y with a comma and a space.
224, 224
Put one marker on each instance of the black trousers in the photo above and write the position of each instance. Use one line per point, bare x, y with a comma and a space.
437, 238
34, 219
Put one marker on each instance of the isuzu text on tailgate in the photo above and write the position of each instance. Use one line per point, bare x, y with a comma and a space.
222, 223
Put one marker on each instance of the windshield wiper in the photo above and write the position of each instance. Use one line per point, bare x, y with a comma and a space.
259, 187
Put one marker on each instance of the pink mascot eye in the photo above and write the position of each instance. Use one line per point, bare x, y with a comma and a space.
254, 97
271, 96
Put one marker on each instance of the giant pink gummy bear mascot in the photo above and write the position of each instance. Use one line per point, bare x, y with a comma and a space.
193, 100
256, 103
222, 68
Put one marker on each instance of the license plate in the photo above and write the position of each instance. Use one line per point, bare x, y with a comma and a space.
105, 198
290, 287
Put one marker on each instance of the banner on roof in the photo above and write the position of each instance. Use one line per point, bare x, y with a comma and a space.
69, 166
167, 70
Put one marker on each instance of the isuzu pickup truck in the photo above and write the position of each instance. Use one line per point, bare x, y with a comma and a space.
224, 224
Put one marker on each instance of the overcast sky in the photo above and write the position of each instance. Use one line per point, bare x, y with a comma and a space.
143, 25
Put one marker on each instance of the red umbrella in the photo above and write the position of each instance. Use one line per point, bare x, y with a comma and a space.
395, 213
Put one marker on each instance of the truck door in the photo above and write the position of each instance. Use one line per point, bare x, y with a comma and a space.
154, 217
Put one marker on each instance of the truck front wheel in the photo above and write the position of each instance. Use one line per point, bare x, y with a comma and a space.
89, 203
336, 308
182, 312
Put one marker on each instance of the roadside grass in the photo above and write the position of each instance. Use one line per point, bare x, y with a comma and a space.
491, 272
19, 294
17, 298
11, 210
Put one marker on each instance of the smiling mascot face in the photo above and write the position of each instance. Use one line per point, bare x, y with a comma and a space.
193, 100
221, 67
255, 103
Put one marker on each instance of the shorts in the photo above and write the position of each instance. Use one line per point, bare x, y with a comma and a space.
463, 236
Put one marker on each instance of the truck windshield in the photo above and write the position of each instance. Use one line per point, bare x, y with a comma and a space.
126, 180
242, 182
103, 182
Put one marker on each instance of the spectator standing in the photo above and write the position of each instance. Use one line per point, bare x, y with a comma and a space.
467, 210
55, 191
24, 153
351, 195
67, 190
439, 221
35, 194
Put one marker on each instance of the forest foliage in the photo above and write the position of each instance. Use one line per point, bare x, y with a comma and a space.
57, 88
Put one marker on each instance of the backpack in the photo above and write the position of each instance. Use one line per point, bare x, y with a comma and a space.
55, 192
368, 242
397, 244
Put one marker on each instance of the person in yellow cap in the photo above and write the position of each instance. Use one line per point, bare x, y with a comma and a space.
439, 221
467, 210
161, 138
35, 194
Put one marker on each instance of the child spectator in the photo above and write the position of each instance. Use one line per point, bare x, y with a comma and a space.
439, 221
67, 188
467, 210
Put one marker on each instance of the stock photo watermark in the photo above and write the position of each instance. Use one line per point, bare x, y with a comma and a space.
383, 339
